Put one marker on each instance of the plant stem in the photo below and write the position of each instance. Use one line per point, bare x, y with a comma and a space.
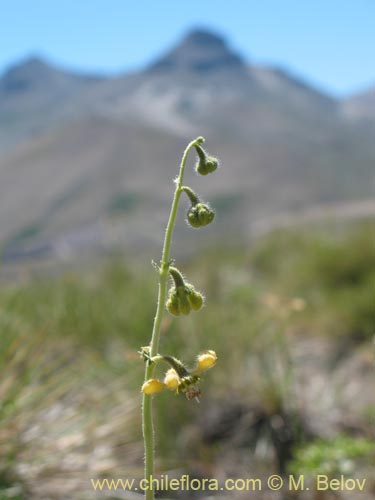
147, 413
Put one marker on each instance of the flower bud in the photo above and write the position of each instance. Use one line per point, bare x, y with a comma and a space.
182, 294
205, 361
205, 164
173, 304
152, 386
182, 297
171, 379
200, 215
195, 298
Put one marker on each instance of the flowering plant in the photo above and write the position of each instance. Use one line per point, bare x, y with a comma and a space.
182, 298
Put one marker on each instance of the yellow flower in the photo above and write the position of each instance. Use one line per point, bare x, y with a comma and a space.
153, 386
178, 378
171, 379
205, 361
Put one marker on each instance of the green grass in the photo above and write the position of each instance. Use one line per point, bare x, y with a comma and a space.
332, 457
335, 274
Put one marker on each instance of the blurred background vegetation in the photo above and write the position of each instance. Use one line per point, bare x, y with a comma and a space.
291, 318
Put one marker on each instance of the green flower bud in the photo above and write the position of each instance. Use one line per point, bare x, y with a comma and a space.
195, 298
200, 215
205, 164
173, 304
182, 294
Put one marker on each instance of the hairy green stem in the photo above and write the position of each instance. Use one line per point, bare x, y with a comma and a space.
177, 276
192, 196
147, 414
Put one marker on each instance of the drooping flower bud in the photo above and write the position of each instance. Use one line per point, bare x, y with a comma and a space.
206, 164
182, 297
171, 379
152, 386
200, 215
195, 298
184, 304
205, 361
173, 303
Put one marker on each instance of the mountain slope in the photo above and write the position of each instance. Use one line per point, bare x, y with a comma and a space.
91, 158
360, 106
35, 96
199, 82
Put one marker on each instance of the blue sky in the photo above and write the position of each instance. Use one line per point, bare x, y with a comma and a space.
329, 42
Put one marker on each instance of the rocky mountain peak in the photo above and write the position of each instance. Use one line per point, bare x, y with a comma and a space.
35, 73
204, 37
26, 74
200, 51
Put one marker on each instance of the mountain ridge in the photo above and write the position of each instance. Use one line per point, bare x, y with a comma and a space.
78, 153
35, 94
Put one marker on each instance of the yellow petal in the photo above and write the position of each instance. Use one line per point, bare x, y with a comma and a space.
153, 386
171, 379
205, 361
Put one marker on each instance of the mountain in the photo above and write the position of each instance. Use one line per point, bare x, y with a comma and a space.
200, 52
36, 95
202, 82
360, 106
199, 82
35, 77
86, 161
